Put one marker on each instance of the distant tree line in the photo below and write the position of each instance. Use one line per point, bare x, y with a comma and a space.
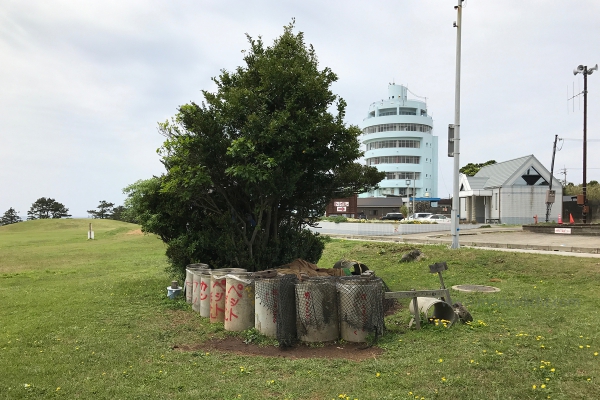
592, 190
47, 208
42, 208
106, 210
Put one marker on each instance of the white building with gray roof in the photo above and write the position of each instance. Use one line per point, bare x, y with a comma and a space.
509, 192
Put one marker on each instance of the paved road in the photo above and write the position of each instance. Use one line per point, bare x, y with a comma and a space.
498, 238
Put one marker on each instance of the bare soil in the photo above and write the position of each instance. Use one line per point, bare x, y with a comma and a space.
348, 351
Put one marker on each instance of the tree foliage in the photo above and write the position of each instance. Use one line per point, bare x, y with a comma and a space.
256, 162
104, 210
123, 213
471, 169
592, 191
44, 208
10, 217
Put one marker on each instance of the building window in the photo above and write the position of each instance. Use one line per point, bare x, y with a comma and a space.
387, 111
386, 144
408, 111
403, 175
394, 160
396, 127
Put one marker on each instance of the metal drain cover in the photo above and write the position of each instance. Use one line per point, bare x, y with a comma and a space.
476, 288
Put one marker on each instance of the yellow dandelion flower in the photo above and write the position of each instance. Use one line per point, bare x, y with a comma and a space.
543, 386
552, 369
533, 387
441, 360
443, 379
58, 388
472, 361
378, 375
581, 347
596, 353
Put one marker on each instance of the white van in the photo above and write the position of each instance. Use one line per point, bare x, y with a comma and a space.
419, 216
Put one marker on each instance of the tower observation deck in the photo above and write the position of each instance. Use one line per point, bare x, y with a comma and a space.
398, 139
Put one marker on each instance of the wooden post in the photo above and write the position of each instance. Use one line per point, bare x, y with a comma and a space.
90, 233
417, 316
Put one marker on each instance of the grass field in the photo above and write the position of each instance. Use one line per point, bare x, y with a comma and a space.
90, 320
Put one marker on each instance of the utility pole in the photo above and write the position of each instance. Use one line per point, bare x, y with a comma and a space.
583, 69
550, 195
455, 215
564, 172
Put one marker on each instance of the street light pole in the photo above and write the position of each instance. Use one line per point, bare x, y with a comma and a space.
455, 215
408, 196
414, 192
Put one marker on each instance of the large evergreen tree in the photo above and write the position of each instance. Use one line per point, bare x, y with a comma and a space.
254, 164
44, 208
10, 217
104, 210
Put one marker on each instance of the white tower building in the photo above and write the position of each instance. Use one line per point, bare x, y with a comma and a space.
397, 134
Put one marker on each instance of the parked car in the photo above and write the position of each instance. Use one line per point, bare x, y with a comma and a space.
393, 216
439, 218
419, 216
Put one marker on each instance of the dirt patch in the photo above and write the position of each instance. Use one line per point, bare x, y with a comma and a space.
135, 232
348, 351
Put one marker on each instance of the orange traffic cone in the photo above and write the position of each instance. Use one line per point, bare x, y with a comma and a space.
571, 220
559, 219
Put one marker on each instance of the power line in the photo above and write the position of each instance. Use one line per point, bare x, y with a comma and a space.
589, 140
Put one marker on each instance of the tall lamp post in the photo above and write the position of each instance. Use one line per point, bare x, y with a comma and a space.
583, 69
456, 153
408, 196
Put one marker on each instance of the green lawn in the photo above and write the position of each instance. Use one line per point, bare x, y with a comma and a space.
90, 320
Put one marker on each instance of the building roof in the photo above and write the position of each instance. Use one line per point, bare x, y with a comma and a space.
498, 174
379, 201
477, 182
520, 171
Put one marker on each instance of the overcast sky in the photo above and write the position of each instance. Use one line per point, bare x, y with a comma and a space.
84, 83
